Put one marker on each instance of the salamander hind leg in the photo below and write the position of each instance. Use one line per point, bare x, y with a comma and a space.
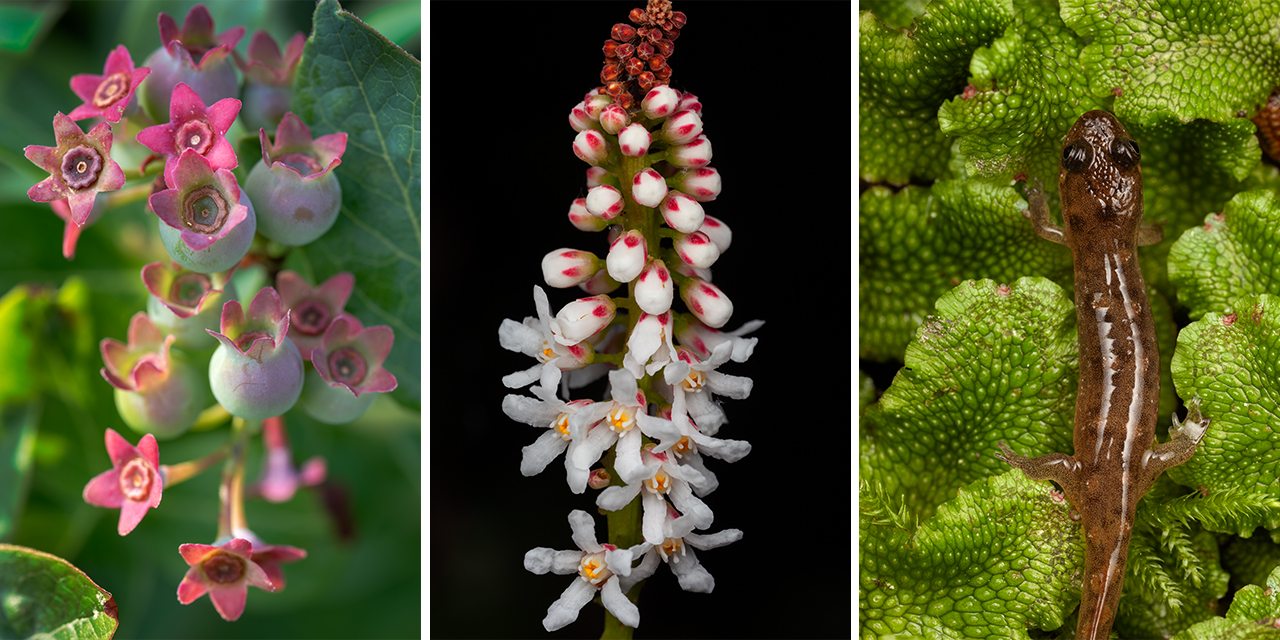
1039, 214
1184, 437
1058, 467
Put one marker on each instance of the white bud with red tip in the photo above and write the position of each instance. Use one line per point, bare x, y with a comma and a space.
681, 212
613, 118
605, 202
718, 232
578, 118
627, 256
690, 102
660, 102
654, 288
696, 153
648, 188
565, 268
591, 147
702, 183
634, 140
583, 219
682, 128
582, 319
696, 249
596, 103
707, 302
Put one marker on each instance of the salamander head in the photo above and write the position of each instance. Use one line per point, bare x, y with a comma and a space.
1099, 177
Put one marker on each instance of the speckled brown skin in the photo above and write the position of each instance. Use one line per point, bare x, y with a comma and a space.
1100, 181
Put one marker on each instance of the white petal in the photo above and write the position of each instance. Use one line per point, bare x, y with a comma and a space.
646, 569
713, 540
616, 497
522, 378
659, 428
727, 450
655, 514
682, 496
583, 418
709, 480
628, 463
692, 575
619, 561
675, 372
736, 387
618, 604
550, 375
575, 476
680, 527
530, 411
622, 386
538, 560
593, 446
719, 356
584, 531
540, 454
564, 611
514, 336
685, 473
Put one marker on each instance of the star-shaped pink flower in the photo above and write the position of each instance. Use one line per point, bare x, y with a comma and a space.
79, 167
225, 573
133, 484
193, 126
196, 38
197, 182
107, 95
295, 154
313, 308
266, 65
351, 356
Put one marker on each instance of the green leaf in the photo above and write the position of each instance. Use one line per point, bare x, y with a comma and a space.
42, 595
354, 80
1252, 613
1229, 361
997, 363
1004, 555
904, 75
1230, 256
18, 27
1150, 54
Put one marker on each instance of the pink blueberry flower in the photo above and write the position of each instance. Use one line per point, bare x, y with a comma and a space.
294, 189
133, 484
312, 309
109, 94
154, 392
193, 126
269, 75
225, 572
185, 303
256, 372
351, 356
213, 77
79, 167
271, 556
280, 480
205, 204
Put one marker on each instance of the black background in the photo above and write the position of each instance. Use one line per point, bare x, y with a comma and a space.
775, 84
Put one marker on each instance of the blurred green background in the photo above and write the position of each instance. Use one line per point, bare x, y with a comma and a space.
361, 529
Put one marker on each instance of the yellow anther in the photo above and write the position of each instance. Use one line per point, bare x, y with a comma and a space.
695, 381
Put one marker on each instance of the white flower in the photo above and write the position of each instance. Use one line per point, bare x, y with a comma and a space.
676, 552
622, 421
657, 478
599, 567
698, 381
694, 442
551, 413
649, 348
535, 338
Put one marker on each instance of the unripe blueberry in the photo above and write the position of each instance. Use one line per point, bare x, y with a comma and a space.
293, 188
268, 79
157, 391
206, 222
213, 77
185, 303
348, 371
256, 371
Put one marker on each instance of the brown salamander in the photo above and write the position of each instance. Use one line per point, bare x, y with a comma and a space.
1118, 397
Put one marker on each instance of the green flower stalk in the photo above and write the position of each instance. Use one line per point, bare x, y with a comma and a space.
643, 446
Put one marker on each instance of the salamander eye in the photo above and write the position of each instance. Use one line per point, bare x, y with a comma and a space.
1124, 152
1077, 156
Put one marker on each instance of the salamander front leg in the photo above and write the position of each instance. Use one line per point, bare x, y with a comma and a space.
1040, 219
1150, 233
1058, 467
1184, 437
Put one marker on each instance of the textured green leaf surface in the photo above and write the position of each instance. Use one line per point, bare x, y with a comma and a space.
352, 79
1252, 615
43, 596
904, 75
1233, 254
916, 244
1024, 93
1232, 362
997, 363
1150, 52
1001, 557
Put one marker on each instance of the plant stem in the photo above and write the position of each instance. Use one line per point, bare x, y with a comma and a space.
183, 471
231, 517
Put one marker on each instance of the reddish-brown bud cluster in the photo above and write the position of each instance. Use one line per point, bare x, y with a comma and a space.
635, 58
